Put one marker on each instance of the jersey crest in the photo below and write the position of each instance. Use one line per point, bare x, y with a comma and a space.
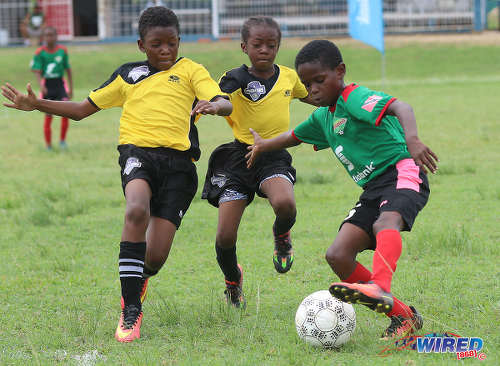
255, 89
339, 125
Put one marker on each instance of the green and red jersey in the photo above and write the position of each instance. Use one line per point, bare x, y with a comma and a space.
52, 63
361, 135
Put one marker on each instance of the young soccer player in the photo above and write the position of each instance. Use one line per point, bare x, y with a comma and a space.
374, 136
48, 64
158, 143
261, 95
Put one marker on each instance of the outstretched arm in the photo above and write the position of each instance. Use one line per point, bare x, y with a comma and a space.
423, 156
261, 145
220, 106
29, 102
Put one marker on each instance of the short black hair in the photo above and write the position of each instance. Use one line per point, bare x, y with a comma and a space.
322, 51
259, 20
157, 16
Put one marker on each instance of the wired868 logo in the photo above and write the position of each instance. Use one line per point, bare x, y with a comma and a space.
463, 347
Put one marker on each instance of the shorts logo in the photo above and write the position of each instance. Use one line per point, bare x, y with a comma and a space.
218, 180
255, 89
131, 164
174, 79
288, 93
339, 125
181, 214
371, 102
383, 203
137, 72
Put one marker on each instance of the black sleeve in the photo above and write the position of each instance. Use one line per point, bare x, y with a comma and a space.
229, 83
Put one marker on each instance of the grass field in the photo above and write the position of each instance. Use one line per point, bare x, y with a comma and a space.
61, 215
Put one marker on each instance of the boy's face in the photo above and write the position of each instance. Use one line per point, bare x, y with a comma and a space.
50, 37
323, 84
261, 46
161, 45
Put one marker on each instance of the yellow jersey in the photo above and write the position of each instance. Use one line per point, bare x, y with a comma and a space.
157, 104
260, 104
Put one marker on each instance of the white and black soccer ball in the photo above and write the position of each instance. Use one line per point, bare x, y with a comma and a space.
324, 321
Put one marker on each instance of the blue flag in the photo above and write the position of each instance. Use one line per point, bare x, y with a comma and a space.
366, 22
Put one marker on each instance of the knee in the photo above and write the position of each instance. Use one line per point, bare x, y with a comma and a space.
284, 207
225, 239
136, 215
336, 256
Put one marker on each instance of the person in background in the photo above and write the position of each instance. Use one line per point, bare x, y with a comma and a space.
31, 27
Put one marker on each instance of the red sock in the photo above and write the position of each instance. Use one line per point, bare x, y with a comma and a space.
64, 127
46, 129
386, 255
361, 273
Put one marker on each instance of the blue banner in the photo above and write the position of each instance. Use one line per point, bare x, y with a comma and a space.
366, 22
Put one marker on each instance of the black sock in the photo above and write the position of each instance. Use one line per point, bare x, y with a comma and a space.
131, 266
283, 225
148, 272
228, 263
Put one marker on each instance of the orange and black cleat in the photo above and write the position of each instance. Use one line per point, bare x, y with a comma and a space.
403, 326
368, 294
283, 252
234, 292
129, 325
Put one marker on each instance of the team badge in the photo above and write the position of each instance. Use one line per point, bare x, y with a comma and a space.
339, 125
131, 164
174, 79
137, 72
255, 89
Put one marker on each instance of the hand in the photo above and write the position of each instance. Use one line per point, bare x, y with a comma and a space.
20, 101
255, 149
205, 107
423, 156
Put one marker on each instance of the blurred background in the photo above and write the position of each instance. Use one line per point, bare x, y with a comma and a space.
116, 20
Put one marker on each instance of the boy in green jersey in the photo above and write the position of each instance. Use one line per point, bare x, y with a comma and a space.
374, 136
49, 64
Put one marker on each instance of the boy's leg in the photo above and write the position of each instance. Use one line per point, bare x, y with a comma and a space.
131, 258
230, 213
47, 131
64, 130
279, 191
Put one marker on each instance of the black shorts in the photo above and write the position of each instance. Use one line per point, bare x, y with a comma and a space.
170, 173
388, 192
227, 172
55, 89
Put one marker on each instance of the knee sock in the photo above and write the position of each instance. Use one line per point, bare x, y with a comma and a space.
131, 266
46, 129
386, 255
64, 127
283, 225
228, 263
361, 273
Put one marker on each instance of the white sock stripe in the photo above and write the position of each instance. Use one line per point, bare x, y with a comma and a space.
130, 275
137, 269
130, 260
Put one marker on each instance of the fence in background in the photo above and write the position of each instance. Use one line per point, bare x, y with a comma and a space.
117, 19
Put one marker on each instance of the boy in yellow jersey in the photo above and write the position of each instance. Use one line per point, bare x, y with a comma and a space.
158, 143
261, 95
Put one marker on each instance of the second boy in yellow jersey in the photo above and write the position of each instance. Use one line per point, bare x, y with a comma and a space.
261, 95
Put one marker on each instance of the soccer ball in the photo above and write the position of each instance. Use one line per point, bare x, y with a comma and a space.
324, 321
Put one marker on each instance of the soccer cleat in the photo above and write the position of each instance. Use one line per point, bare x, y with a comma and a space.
401, 327
368, 294
129, 325
63, 145
283, 252
234, 292
144, 292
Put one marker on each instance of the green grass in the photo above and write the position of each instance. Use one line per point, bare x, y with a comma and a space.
61, 215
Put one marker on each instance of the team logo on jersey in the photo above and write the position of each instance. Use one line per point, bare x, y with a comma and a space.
137, 72
58, 59
131, 164
255, 89
371, 102
339, 125
288, 93
174, 79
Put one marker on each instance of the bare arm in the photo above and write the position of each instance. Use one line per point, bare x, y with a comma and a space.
423, 156
70, 82
261, 145
219, 106
29, 102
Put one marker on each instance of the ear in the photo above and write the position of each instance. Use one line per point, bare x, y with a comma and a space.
341, 69
141, 45
244, 47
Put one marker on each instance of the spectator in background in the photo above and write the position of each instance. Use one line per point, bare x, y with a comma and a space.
32, 25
